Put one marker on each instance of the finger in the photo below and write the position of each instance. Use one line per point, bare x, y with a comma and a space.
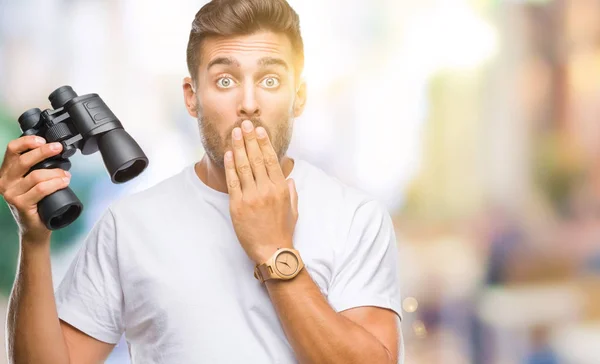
293, 195
31, 158
38, 176
41, 190
270, 157
20, 145
255, 155
233, 182
242, 165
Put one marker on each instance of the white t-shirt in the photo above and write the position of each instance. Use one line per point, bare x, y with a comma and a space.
164, 266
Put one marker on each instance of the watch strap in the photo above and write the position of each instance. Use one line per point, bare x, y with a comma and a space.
264, 272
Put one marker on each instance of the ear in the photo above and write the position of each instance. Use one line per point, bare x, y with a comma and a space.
189, 97
300, 101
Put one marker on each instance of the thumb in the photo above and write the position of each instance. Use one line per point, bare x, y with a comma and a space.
293, 194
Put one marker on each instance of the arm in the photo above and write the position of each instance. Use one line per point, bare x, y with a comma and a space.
34, 332
264, 212
318, 334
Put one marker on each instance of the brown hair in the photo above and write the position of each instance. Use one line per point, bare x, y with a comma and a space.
242, 17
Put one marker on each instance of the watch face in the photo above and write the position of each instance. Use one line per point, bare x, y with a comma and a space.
286, 263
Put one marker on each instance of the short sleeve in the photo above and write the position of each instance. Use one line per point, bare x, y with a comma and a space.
366, 265
90, 297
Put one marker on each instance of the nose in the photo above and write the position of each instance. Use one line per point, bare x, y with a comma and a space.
249, 104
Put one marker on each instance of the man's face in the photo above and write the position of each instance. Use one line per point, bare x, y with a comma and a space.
245, 77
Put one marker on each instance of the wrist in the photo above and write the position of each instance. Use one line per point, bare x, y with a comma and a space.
276, 283
264, 255
266, 252
29, 241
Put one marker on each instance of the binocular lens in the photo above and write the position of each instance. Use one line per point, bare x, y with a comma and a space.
130, 170
123, 157
63, 219
59, 209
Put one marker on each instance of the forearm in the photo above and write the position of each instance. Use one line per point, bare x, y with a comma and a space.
316, 332
34, 334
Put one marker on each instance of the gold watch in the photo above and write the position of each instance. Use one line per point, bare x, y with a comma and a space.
284, 264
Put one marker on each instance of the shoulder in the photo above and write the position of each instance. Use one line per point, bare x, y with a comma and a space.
157, 198
330, 190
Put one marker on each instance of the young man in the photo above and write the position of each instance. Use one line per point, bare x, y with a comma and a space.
248, 256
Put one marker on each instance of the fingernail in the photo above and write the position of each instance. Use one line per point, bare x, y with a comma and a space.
237, 133
40, 140
66, 179
247, 125
68, 174
260, 131
55, 146
228, 155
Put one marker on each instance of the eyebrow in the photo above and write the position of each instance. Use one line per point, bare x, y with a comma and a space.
263, 62
270, 61
227, 61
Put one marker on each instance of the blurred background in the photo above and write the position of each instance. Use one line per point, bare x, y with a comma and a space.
475, 122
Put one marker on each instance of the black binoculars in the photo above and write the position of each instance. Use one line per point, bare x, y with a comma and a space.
84, 123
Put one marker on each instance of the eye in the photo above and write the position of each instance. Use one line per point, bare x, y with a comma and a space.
270, 82
225, 82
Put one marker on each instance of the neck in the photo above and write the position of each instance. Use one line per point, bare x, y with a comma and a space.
214, 176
